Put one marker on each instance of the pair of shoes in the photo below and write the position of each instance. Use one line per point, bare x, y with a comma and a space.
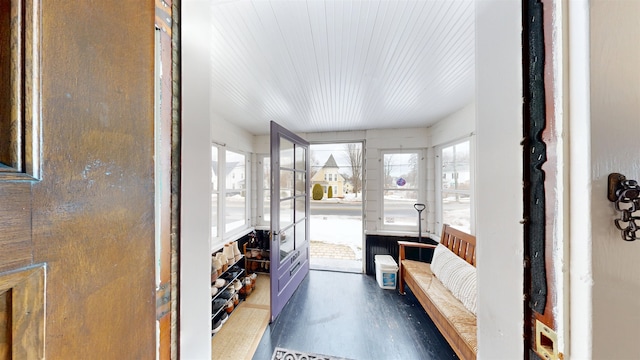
228, 253
226, 295
237, 284
214, 271
219, 283
237, 255
232, 273
218, 304
220, 262
232, 252
218, 321
235, 271
230, 306
216, 325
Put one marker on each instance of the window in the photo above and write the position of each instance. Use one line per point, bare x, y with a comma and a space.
455, 186
236, 194
229, 200
264, 201
401, 189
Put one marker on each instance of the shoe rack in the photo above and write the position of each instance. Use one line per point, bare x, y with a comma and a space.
227, 284
256, 252
256, 259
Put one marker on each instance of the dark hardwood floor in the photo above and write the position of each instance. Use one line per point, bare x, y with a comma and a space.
348, 315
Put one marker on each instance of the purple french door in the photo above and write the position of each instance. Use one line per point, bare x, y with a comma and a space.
289, 215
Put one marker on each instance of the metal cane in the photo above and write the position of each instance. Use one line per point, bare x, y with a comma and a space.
419, 207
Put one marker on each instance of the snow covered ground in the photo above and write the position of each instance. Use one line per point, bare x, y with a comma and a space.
335, 229
339, 229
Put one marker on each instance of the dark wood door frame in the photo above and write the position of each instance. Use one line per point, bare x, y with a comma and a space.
540, 178
166, 171
167, 293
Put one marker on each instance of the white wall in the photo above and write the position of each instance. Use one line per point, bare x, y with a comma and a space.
615, 127
200, 127
580, 248
499, 183
230, 135
195, 228
456, 126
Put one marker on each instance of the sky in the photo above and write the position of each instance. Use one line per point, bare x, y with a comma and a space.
321, 152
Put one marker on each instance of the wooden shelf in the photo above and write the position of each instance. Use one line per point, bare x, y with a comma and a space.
262, 264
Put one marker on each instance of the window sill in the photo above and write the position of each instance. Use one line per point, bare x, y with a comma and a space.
398, 233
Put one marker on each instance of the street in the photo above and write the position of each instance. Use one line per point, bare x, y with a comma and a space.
395, 208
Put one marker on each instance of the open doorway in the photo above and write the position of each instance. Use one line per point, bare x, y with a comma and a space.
336, 207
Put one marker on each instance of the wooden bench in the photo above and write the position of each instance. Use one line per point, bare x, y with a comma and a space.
455, 322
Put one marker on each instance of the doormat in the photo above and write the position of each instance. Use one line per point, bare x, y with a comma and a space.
286, 354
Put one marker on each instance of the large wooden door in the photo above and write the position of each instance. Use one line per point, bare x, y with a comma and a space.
77, 272
289, 215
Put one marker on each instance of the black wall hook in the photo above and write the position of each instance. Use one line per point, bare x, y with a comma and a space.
625, 194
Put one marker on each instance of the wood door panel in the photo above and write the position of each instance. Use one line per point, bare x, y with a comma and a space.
90, 215
7, 139
5, 324
15, 222
28, 315
22, 313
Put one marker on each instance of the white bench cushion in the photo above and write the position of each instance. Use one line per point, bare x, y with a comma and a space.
456, 275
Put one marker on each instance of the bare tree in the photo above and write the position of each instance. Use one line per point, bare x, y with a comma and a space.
354, 153
314, 165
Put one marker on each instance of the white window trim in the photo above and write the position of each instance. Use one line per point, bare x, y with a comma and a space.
260, 188
247, 205
422, 187
216, 239
472, 176
222, 234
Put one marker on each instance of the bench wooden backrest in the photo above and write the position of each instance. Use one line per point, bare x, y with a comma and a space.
461, 243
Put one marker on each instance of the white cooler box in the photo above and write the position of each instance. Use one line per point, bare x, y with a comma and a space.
386, 271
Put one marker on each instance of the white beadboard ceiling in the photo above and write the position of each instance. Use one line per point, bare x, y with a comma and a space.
330, 65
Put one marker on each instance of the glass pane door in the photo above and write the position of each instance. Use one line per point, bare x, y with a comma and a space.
289, 215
